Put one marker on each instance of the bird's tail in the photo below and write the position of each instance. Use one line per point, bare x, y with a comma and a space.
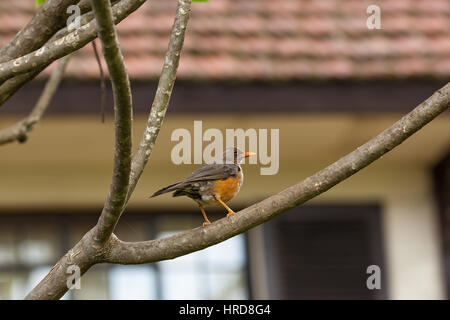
170, 188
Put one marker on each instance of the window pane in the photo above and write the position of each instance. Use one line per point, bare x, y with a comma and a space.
132, 230
227, 255
38, 245
229, 285
35, 276
132, 282
184, 285
94, 284
16, 285
217, 272
7, 256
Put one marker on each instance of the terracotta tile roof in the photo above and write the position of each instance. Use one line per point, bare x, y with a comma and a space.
276, 40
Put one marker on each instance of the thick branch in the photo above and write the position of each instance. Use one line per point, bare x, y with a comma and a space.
123, 120
19, 130
86, 16
202, 237
49, 18
83, 255
163, 92
65, 45
11, 86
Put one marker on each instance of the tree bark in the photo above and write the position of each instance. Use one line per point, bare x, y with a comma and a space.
123, 121
63, 46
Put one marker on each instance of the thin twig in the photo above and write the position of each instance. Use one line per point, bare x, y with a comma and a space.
102, 82
19, 130
11, 86
163, 93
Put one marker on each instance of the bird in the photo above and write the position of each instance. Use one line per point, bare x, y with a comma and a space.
214, 183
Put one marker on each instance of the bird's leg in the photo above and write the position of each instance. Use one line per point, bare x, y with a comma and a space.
230, 212
206, 222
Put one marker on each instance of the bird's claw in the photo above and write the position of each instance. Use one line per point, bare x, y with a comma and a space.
205, 223
230, 213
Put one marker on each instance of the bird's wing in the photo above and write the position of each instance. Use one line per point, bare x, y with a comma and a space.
204, 173
213, 172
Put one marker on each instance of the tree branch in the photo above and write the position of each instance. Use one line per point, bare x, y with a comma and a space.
11, 86
65, 45
50, 17
185, 242
102, 82
86, 16
123, 120
19, 130
90, 249
83, 255
163, 92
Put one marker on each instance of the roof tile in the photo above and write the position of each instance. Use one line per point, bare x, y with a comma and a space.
273, 40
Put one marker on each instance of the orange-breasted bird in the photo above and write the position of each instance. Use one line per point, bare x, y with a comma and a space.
212, 184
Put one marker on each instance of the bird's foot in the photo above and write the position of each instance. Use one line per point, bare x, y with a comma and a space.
205, 223
230, 213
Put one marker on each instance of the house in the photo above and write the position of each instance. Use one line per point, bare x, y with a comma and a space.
311, 69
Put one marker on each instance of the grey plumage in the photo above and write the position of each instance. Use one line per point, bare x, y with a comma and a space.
205, 173
224, 167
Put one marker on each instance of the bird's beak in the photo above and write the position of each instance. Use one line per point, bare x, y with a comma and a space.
248, 154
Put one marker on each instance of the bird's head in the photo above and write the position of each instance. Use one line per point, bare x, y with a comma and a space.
235, 155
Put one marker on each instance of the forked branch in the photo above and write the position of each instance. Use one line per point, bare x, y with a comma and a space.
60, 47
90, 249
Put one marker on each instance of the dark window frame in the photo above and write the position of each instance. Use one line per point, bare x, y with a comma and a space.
441, 175
369, 214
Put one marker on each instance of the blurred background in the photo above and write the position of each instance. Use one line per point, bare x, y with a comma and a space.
309, 68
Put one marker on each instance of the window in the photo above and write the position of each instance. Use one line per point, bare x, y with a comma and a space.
217, 272
28, 250
322, 252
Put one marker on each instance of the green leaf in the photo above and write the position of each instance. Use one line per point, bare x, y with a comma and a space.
38, 3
